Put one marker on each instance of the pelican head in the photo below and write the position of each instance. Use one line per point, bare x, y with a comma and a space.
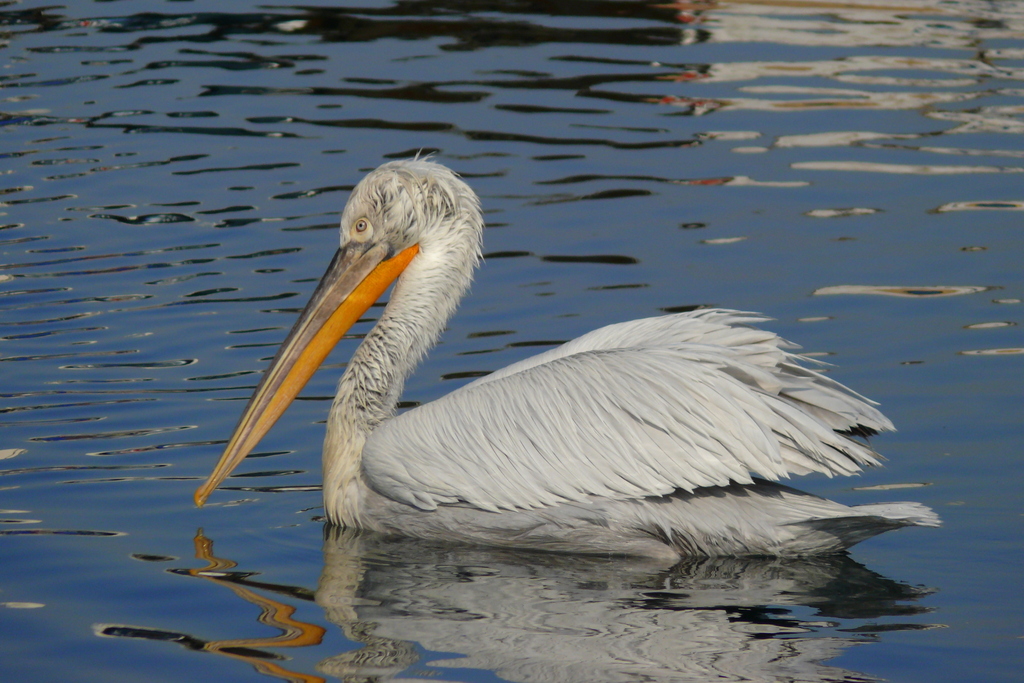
412, 221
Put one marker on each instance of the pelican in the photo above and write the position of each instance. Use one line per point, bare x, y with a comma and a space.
662, 437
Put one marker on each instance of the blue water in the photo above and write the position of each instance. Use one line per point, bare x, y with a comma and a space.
171, 181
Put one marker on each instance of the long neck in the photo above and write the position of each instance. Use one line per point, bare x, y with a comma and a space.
422, 301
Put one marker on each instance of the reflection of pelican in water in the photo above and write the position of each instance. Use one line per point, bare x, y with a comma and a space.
561, 619
638, 438
555, 618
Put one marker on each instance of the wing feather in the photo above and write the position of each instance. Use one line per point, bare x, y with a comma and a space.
631, 410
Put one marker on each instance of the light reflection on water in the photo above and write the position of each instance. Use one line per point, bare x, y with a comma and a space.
169, 192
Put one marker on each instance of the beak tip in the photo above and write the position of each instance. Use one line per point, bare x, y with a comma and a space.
200, 497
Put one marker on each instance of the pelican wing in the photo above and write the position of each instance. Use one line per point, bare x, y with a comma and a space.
628, 411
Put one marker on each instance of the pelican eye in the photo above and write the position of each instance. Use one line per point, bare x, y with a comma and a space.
362, 229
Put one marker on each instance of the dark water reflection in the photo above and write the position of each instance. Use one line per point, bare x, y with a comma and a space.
171, 175
543, 617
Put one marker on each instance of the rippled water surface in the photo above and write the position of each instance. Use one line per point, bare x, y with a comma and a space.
171, 182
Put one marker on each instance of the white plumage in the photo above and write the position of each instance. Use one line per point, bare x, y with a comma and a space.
623, 415
658, 436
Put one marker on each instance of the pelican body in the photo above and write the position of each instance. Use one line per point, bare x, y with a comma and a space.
659, 437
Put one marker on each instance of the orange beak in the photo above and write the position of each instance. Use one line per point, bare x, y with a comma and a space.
355, 279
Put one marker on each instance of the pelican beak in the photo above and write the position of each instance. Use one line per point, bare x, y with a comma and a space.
355, 279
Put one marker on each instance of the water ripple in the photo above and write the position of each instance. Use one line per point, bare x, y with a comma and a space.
71, 468
422, 92
250, 167
151, 365
59, 532
53, 356
119, 434
921, 292
94, 257
1013, 351
982, 206
905, 169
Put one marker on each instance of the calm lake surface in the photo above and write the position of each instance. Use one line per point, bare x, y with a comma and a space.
171, 182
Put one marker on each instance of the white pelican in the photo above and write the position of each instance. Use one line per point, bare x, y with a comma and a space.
640, 438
